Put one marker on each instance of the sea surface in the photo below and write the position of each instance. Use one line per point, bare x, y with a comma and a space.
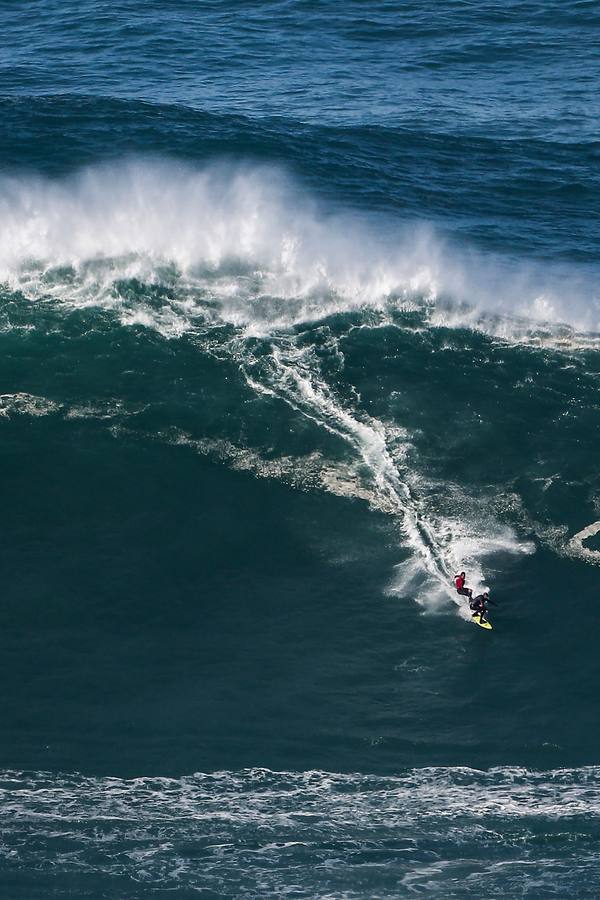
299, 316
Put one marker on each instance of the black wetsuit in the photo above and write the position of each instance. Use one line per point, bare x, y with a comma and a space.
478, 605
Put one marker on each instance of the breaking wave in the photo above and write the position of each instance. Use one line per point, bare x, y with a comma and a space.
250, 239
243, 262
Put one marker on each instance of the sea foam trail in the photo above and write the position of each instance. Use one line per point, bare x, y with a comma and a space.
249, 234
291, 374
577, 548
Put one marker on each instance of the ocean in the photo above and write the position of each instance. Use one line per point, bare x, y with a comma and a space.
299, 316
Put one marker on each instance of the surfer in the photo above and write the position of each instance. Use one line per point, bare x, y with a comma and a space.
479, 604
459, 582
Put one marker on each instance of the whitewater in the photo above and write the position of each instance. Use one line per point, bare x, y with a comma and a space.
139, 216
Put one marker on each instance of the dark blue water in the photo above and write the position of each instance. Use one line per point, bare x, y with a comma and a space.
299, 315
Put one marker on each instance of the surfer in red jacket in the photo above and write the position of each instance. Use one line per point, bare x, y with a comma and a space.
459, 583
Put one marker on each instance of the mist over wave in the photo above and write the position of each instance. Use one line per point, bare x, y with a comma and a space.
266, 251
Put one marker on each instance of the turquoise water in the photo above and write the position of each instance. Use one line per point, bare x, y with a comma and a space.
299, 315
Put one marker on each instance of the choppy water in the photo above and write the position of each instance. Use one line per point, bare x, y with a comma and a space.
299, 315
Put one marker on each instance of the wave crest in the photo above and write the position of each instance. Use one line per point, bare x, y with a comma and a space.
251, 240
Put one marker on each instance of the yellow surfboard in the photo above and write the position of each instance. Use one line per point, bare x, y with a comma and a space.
477, 620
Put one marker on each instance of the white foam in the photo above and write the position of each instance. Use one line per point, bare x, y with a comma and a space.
22, 403
263, 249
575, 547
310, 834
509, 792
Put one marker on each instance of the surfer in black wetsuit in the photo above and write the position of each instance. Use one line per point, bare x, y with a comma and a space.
459, 583
479, 605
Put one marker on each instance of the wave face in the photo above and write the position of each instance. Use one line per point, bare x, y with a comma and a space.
245, 267
299, 315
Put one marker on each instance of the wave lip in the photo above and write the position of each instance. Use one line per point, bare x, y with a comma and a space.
251, 240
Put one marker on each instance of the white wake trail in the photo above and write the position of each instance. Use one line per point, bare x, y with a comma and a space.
440, 544
292, 379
